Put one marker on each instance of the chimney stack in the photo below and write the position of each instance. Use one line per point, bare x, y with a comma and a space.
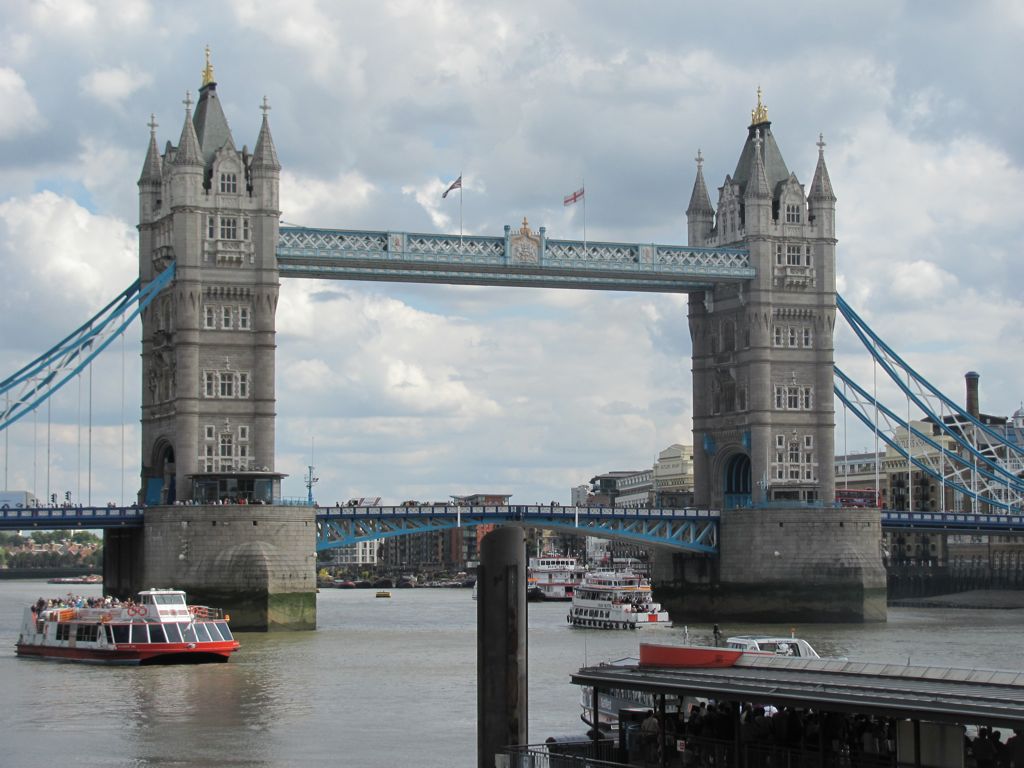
971, 378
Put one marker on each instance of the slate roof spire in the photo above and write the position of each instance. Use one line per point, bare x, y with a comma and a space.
264, 154
211, 125
821, 185
152, 168
700, 200
188, 146
757, 186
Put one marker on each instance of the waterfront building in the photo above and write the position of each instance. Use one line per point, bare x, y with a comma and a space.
673, 477
635, 491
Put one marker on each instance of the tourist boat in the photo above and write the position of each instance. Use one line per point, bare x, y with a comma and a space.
93, 578
159, 628
553, 577
615, 600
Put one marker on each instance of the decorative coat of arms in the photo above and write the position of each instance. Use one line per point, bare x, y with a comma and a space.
524, 246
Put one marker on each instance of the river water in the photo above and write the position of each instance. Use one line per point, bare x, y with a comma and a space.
388, 683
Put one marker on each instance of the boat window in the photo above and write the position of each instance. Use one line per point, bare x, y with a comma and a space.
225, 632
87, 633
110, 634
202, 633
170, 599
173, 632
147, 599
120, 633
140, 634
63, 631
156, 634
188, 632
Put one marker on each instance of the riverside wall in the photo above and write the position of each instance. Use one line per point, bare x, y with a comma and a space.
257, 562
781, 565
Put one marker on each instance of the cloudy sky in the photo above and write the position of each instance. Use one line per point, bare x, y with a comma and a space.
419, 392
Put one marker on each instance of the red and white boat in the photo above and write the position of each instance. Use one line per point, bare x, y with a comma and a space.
158, 628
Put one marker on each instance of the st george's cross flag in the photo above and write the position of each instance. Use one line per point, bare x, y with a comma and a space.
575, 197
457, 184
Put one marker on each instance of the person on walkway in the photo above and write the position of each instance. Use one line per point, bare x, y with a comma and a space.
717, 634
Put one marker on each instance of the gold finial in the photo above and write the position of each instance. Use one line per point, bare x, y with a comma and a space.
759, 114
208, 69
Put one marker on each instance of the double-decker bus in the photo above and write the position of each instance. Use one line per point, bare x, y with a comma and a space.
858, 497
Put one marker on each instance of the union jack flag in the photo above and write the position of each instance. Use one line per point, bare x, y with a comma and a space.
457, 184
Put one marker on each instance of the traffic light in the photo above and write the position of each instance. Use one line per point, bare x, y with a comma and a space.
53, 498
67, 495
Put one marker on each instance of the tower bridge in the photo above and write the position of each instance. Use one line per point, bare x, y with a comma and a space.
759, 272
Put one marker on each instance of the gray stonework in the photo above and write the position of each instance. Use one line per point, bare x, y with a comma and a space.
208, 397
257, 562
208, 401
763, 414
781, 565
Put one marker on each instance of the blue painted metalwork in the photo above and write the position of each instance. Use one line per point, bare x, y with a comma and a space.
57, 518
859, 409
926, 391
34, 383
951, 522
681, 529
523, 259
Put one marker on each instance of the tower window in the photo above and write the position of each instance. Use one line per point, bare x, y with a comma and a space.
229, 182
228, 228
227, 384
778, 335
243, 318
778, 254
226, 446
211, 227
807, 255
243, 432
792, 214
210, 318
209, 431
793, 398
243, 385
807, 337
210, 381
226, 317
806, 399
793, 255
792, 337
245, 227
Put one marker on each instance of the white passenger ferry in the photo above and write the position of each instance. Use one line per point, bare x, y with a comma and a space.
615, 600
554, 577
158, 628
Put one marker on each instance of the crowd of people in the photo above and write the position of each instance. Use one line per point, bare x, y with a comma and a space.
78, 601
708, 730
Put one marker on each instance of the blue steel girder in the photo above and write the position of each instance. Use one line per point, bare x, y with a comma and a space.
685, 530
516, 259
60, 518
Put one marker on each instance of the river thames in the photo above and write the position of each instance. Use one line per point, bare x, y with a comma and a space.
380, 684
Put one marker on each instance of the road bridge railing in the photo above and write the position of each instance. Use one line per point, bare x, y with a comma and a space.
16, 518
951, 521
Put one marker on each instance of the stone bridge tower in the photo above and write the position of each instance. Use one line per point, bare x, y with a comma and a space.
763, 414
208, 343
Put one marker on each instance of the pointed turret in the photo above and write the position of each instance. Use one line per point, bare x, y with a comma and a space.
771, 157
152, 168
757, 197
699, 213
821, 201
264, 155
211, 125
188, 146
821, 186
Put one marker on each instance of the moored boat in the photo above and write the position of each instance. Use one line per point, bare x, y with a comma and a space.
383, 593
553, 577
615, 600
158, 628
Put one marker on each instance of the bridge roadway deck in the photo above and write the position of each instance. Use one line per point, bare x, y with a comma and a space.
50, 518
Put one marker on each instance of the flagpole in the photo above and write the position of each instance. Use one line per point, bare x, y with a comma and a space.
460, 208
583, 186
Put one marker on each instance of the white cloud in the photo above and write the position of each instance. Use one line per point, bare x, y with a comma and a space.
114, 85
20, 115
308, 199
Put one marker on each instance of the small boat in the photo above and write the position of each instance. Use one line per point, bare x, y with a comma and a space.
158, 628
615, 600
612, 701
93, 578
383, 593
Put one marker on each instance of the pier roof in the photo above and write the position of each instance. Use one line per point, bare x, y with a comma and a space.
933, 694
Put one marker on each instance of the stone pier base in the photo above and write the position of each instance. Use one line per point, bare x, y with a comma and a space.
781, 565
257, 562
